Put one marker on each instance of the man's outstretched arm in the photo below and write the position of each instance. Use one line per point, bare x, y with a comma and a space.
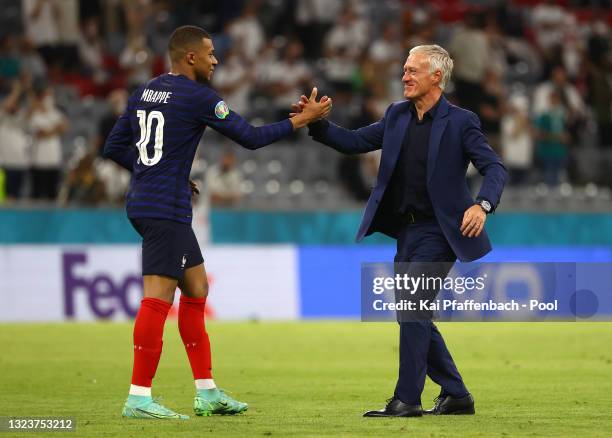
235, 127
358, 141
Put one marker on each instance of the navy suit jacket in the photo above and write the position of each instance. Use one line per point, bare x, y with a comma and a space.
456, 139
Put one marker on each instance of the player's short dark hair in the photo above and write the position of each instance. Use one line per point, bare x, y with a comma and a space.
184, 39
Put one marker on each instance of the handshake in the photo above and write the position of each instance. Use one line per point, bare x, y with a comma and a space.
308, 110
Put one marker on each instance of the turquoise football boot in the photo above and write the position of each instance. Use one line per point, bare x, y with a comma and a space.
215, 401
137, 406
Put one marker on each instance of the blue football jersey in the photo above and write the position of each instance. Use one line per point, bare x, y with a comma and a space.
157, 137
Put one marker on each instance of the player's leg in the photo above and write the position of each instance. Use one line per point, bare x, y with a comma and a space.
148, 330
161, 263
192, 327
194, 291
148, 333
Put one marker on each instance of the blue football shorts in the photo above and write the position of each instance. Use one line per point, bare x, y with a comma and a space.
168, 247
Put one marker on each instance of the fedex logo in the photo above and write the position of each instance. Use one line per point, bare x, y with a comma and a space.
105, 297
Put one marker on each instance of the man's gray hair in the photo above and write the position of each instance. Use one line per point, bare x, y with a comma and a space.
439, 59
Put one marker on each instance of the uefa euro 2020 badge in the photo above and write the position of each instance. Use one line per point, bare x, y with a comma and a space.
221, 110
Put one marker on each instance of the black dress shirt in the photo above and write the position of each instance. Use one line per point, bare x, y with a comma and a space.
409, 178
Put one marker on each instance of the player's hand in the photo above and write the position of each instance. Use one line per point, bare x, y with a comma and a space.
298, 107
194, 188
312, 110
473, 221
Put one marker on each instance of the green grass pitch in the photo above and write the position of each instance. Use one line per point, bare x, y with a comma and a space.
316, 379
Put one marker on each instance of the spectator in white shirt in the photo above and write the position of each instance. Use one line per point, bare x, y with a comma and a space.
572, 104
470, 50
247, 32
571, 99
314, 18
13, 142
41, 24
91, 50
386, 49
517, 139
223, 181
351, 33
233, 80
46, 124
287, 77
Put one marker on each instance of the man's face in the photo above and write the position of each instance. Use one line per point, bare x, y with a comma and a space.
417, 79
555, 99
204, 61
228, 162
558, 76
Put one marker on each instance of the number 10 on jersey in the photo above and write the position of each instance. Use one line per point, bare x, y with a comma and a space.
146, 123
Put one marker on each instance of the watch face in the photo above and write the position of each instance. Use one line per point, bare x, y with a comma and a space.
486, 205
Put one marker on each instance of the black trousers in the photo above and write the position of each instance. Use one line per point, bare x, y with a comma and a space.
15, 179
45, 183
422, 350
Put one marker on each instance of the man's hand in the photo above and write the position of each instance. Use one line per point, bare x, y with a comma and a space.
297, 108
473, 221
194, 188
309, 110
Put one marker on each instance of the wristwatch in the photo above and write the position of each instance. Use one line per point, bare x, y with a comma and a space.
485, 205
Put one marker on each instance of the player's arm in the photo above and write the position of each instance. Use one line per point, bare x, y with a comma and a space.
219, 117
119, 145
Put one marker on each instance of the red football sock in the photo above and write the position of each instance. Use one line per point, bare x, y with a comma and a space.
195, 338
148, 333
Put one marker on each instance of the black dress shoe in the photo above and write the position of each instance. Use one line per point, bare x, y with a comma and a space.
447, 405
397, 408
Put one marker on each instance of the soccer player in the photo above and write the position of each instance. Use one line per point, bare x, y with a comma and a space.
156, 139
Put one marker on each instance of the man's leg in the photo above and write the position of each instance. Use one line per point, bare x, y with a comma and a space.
209, 399
441, 367
415, 337
416, 326
148, 333
413, 245
427, 254
149, 330
194, 290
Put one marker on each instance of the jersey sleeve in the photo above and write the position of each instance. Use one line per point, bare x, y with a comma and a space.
119, 145
214, 112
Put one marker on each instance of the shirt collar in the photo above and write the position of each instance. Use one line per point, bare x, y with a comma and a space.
429, 114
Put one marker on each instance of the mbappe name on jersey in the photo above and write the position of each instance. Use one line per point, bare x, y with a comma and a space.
153, 96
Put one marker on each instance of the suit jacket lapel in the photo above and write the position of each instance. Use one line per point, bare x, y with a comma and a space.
437, 129
395, 145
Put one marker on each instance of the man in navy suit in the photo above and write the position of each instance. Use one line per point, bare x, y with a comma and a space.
422, 199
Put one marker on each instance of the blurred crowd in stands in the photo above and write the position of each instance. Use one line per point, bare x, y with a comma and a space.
538, 73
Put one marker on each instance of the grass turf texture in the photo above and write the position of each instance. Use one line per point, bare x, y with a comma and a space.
316, 378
